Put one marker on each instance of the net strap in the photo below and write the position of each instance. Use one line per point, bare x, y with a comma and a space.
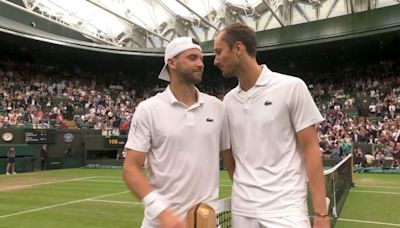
221, 205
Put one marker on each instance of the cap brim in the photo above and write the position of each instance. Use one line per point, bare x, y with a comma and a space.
164, 75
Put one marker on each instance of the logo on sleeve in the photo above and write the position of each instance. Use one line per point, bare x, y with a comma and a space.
210, 120
135, 126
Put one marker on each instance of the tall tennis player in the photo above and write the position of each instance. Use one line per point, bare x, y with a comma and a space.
272, 121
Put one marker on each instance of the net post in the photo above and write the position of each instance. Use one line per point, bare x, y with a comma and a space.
334, 209
352, 170
211, 215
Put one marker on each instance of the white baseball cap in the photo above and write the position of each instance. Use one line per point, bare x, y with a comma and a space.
174, 48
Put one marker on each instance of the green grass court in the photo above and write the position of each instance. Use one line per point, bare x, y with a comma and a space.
99, 198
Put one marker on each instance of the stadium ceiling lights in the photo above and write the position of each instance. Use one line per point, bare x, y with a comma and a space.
153, 23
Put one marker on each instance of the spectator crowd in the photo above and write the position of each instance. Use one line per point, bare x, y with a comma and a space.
361, 104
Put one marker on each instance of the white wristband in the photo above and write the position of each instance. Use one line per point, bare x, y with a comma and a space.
154, 204
150, 198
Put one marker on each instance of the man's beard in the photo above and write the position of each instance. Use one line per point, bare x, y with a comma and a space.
192, 77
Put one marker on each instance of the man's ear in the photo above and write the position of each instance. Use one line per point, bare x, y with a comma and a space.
171, 63
239, 48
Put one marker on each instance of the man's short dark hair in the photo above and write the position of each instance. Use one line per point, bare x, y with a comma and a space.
239, 32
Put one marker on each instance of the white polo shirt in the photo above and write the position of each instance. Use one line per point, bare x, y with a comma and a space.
183, 145
270, 175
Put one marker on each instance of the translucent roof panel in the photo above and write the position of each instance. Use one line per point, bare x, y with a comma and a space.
153, 23
201, 7
83, 14
140, 12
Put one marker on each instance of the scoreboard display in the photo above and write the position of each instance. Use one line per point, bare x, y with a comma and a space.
39, 136
115, 141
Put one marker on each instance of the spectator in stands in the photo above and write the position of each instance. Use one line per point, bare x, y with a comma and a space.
372, 108
360, 160
388, 150
379, 146
179, 133
121, 155
356, 136
380, 159
69, 111
363, 102
396, 134
344, 150
395, 164
264, 146
336, 152
44, 155
363, 136
11, 160
396, 151
392, 110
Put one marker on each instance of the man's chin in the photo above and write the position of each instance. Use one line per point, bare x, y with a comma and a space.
197, 80
227, 75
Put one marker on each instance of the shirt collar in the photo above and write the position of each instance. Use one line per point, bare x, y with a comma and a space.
172, 99
262, 78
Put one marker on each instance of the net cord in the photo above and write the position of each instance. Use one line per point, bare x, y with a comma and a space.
333, 169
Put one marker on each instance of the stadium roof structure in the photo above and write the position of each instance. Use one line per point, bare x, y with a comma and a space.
154, 23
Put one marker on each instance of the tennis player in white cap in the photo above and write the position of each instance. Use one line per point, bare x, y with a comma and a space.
180, 132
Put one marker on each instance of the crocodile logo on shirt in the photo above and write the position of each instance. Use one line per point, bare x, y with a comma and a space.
267, 102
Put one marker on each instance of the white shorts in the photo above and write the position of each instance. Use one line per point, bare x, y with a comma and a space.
149, 224
287, 221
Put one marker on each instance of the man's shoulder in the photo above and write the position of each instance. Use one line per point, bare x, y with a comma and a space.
231, 93
287, 82
285, 78
152, 101
210, 98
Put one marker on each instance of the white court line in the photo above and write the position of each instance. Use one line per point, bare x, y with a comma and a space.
113, 201
108, 181
61, 204
110, 177
379, 192
52, 182
376, 186
369, 222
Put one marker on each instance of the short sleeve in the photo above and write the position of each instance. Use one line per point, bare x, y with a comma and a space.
303, 110
139, 136
225, 142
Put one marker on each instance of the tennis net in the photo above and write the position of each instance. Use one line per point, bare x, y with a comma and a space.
338, 182
223, 213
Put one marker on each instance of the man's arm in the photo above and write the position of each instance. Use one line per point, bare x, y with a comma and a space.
309, 145
133, 175
229, 161
140, 187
